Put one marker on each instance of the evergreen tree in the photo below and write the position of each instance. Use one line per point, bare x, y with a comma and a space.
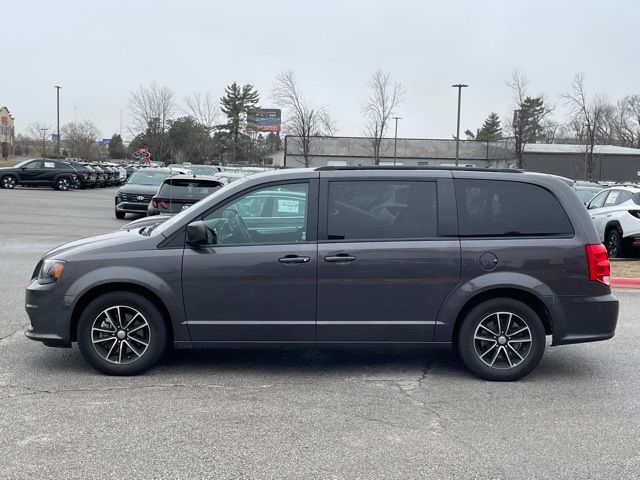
116, 147
491, 129
236, 104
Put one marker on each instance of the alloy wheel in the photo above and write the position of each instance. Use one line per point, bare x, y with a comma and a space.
120, 334
8, 182
63, 184
612, 245
502, 340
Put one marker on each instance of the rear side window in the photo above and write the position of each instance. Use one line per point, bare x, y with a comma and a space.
378, 210
612, 199
493, 208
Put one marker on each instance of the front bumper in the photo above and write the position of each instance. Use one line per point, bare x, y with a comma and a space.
50, 316
585, 319
132, 207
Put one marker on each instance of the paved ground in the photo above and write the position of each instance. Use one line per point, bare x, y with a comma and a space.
296, 413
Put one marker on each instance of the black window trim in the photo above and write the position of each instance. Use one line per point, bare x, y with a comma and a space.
323, 210
312, 212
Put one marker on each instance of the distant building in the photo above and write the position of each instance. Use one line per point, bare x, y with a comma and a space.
609, 162
7, 132
408, 151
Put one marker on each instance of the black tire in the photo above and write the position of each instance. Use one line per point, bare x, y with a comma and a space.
503, 368
63, 184
120, 215
8, 181
614, 244
94, 344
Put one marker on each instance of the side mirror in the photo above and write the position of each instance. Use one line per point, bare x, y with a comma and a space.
197, 234
23, 168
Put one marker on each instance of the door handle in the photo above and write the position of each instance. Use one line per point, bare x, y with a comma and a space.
294, 259
342, 257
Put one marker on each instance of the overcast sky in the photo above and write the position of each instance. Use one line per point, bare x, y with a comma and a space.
100, 51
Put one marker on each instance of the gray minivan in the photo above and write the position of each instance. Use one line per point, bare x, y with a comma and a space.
487, 261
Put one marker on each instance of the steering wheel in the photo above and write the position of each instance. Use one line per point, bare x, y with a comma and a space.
238, 225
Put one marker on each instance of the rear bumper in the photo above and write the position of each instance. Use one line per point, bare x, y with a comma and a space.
584, 319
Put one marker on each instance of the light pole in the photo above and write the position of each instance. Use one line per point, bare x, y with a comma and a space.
459, 86
58, 119
44, 139
395, 140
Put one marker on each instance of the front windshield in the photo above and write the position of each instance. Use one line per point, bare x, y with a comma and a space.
586, 195
203, 170
148, 177
23, 163
178, 217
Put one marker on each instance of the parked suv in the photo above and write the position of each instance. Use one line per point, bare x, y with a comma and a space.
616, 215
39, 172
180, 192
135, 195
487, 261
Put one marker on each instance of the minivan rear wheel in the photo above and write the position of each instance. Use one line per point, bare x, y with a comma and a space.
501, 340
121, 333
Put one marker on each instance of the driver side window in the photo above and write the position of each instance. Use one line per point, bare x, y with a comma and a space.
33, 165
598, 200
270, 215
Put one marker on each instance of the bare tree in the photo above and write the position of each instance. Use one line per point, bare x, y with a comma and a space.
587, 115
385, 96
203, 108
303, 120
151, 104
80, 138
151, 110
526, 124
550, 130
632, 106
38, 133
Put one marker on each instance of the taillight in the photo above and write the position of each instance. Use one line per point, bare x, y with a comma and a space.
163, 204
598, 262
154, 203
635, 213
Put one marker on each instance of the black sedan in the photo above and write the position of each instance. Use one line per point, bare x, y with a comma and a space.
40, 172
179, 193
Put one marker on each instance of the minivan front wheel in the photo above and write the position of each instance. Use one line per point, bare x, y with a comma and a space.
501, 340
121, 333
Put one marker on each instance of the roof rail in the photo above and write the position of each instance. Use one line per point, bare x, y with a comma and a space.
410, 167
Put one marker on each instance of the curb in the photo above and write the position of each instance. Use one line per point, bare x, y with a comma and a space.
623, 282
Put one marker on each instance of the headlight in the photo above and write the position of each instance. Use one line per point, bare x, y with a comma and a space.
50, 271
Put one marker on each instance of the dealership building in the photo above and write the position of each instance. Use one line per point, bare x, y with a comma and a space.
7, 133
609, 162
350, 151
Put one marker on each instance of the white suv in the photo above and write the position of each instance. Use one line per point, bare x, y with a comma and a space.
616, 215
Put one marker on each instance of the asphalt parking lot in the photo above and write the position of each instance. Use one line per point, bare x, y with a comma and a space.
293, 412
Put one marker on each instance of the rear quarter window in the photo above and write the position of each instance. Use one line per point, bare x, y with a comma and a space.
496, 208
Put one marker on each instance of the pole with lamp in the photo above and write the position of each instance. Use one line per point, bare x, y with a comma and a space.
57, 87
395, 140
459, 86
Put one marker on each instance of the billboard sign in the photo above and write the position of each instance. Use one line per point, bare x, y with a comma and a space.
264, 120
